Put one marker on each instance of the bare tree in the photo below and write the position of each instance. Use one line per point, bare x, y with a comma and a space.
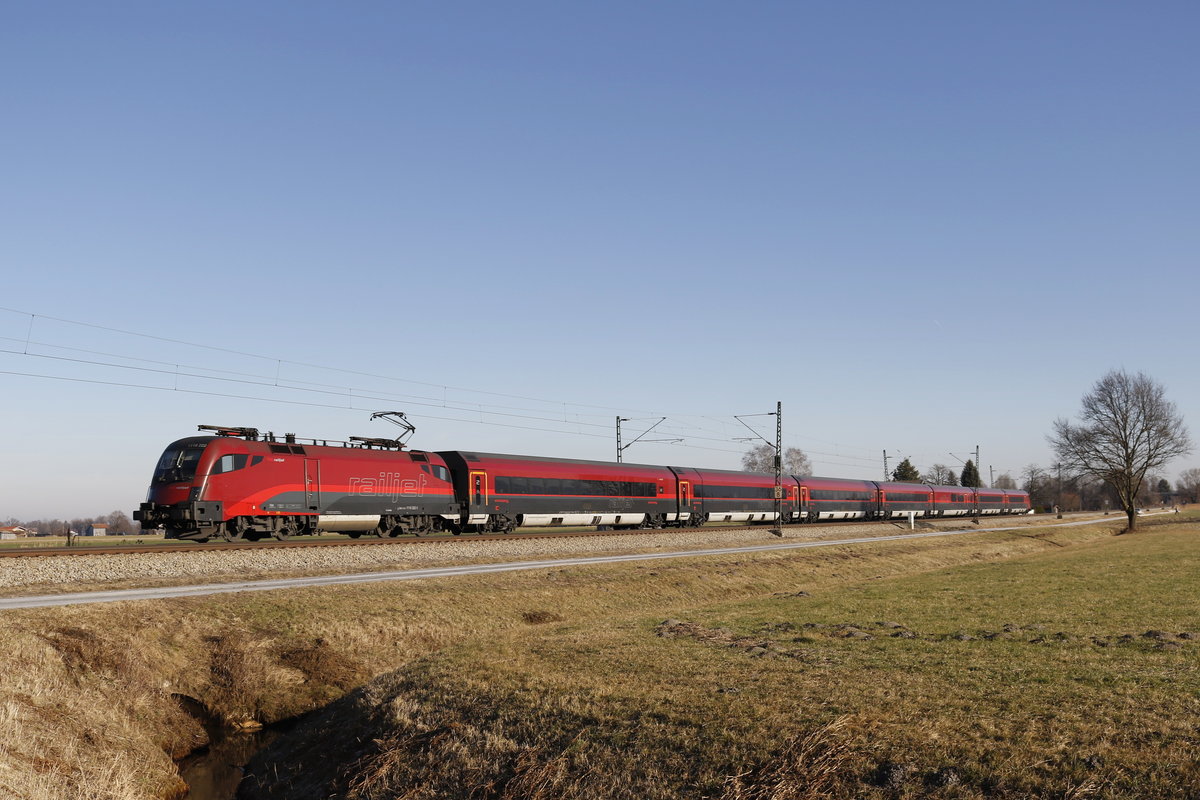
761, 458
119, 523
1004, 481
1127, 428
1039, 485
1189, 484
940, 475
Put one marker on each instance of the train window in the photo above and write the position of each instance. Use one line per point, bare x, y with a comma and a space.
178, 464
574, 486
229, 463
838, 494
909, 497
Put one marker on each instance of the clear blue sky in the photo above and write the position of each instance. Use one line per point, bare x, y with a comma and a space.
921, 226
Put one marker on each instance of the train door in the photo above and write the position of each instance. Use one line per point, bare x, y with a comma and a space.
685, 497
478, 490
312, 484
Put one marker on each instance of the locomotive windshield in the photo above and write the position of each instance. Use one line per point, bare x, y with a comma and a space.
178, 463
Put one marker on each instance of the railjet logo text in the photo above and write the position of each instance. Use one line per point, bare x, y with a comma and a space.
389, 484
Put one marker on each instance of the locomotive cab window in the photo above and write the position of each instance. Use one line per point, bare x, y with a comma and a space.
178, 464
441, 472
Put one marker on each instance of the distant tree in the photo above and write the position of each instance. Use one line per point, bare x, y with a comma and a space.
1189, 484
119, 524
940, 475
1080, 492
761, 458
905, 472
1127, 428
970, 475
1038, 484
1004, 481
1033, 475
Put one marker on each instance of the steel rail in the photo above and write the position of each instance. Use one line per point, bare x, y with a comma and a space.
268, 584
212, 547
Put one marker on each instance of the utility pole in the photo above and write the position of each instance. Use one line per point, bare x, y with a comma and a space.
1058, 503
992, 473
619, 448
886, 475
975, 489
778, 445
778, 530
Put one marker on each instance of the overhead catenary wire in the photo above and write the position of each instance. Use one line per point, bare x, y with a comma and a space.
277, 360
706, 432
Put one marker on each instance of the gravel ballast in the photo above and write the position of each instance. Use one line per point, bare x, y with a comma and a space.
103, 570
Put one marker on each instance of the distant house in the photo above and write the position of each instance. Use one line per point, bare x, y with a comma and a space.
97, 529
13, 532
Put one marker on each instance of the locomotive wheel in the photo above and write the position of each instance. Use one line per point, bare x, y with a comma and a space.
285, 530
424, 526
234, 530
388, 527
230, 533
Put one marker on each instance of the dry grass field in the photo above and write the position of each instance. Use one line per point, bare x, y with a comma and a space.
1043, 663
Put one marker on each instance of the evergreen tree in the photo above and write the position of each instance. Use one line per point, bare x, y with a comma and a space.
905, 472
970, 475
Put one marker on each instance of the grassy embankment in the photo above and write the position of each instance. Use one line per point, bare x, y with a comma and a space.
994, 665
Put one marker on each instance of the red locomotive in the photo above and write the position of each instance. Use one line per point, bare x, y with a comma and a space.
235, 484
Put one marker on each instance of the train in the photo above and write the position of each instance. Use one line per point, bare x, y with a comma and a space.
236, 484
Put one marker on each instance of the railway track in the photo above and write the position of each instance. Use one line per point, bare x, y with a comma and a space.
270, 544
209, 547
